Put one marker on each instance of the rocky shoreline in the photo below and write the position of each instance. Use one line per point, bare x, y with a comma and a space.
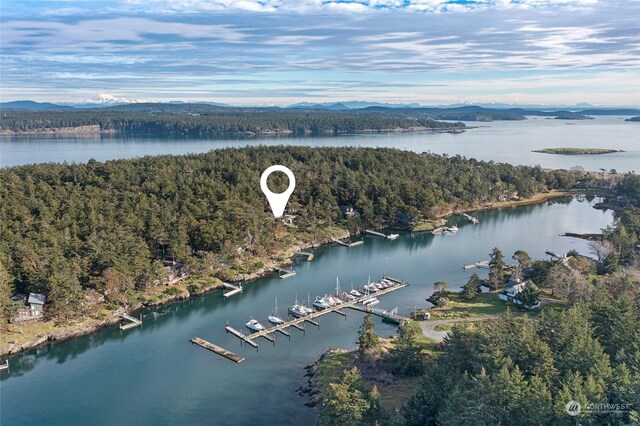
92, 325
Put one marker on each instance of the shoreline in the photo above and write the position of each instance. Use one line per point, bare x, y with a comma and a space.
89, 326
95, 130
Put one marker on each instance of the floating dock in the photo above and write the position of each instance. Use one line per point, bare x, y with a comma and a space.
233, 289
352, 244
133, 322
376, 233
309, 255
217, 349
296, 322
471, 219
478, 264
285, 273
392, 315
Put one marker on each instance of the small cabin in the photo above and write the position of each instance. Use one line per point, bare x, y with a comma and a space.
348, 211
36, 304
289, 219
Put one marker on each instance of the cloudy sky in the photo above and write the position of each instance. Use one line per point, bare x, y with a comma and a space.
261, 52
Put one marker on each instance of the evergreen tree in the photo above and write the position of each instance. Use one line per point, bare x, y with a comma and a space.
7, 310
496, 268
345, 403
472, 288
367, 337
405, 358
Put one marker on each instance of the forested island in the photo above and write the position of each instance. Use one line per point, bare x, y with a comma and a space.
578, 151
97, 238
208, 120
633, 119
500, 364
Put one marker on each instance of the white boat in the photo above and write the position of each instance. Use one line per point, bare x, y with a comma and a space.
392, 236
370, 288
355, 293
370, 301
380, 286
320, 303
297, 310
274, 318
389, 283
451, 229
254, 325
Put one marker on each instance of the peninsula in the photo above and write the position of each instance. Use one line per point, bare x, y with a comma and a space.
577, 151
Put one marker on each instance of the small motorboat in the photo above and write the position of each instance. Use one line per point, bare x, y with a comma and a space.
370, 288
451, 229
355, 293
254, 325
392, 236
320, 303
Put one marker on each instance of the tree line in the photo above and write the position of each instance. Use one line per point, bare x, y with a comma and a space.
222, 121
68, 228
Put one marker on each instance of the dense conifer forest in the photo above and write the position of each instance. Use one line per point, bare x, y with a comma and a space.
210, 120
106, 227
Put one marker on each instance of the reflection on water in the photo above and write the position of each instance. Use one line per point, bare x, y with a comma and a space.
154, 375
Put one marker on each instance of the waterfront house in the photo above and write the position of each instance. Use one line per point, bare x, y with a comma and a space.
509, 293
36, 304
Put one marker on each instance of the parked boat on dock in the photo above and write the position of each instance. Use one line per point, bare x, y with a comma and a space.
254, 325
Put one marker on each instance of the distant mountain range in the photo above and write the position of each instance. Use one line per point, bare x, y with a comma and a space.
452, 112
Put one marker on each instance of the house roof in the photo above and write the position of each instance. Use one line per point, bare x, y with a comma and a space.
519, 287
37, 299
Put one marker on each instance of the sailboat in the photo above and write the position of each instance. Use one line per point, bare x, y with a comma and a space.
297, 310
274, 318
355, 292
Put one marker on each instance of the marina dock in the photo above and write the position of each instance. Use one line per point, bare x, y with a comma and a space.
133, 322
309, 255
296, 322
392, 315
352, 244
217, 349
285, 273
233, 289
478, 264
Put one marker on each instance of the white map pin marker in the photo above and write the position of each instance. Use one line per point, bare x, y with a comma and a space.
277, 201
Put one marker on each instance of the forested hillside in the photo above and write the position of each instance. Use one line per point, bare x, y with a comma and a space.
207, 119
65, 229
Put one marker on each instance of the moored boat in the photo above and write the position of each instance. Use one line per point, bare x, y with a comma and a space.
254, 325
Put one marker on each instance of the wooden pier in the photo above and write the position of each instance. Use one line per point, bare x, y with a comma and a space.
471, 219
217, 349
392, 315
478, 264
233, 289
309, 255
296, 322
285, 273
376, 233
352, 244
133, 322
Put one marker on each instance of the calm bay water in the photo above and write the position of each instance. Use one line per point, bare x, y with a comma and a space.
153, 375
501, 141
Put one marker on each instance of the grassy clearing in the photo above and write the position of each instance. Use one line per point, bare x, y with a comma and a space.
486, 304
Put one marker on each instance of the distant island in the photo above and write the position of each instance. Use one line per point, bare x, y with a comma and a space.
567, 115
635, 119
577, 151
